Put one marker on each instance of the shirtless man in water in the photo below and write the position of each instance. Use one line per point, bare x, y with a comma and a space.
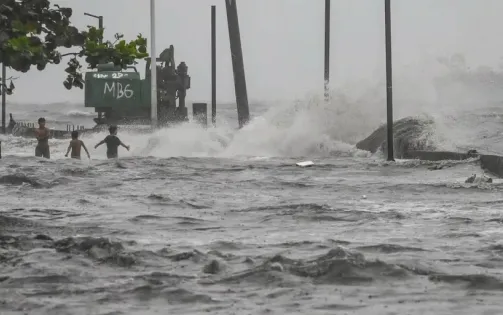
75, 145
42, 134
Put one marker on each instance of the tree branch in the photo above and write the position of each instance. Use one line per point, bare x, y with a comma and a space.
70, 54
33, 31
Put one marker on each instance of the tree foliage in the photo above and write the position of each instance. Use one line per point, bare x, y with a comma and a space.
32, 33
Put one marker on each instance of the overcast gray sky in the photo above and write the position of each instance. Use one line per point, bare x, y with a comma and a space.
283, 41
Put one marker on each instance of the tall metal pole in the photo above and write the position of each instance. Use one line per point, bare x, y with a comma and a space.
237, 63
327, 51
389, 79
100, 26
4, 95
153, 56
213, 67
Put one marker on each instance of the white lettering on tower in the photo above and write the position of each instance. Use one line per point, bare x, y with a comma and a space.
118, 90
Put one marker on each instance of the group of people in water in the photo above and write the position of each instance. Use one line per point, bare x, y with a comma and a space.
43, 133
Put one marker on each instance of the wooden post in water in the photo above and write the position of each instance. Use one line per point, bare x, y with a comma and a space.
389, 79
213, 67
327, 51
237, 63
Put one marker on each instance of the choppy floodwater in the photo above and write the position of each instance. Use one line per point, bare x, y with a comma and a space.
248, 236
195, 221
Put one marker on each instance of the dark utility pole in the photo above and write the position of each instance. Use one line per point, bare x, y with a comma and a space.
389, 79
327, 51
100, 26
3, 90
213, 66
237, 63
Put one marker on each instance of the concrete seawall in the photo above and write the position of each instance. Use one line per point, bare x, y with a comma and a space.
437, 155
491, 163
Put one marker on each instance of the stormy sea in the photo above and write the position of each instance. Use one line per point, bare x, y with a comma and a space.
222, 221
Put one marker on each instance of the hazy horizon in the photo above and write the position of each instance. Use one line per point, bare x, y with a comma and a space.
283, 43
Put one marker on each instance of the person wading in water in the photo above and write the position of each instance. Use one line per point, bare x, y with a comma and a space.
75, 145
113, 142
42, 134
